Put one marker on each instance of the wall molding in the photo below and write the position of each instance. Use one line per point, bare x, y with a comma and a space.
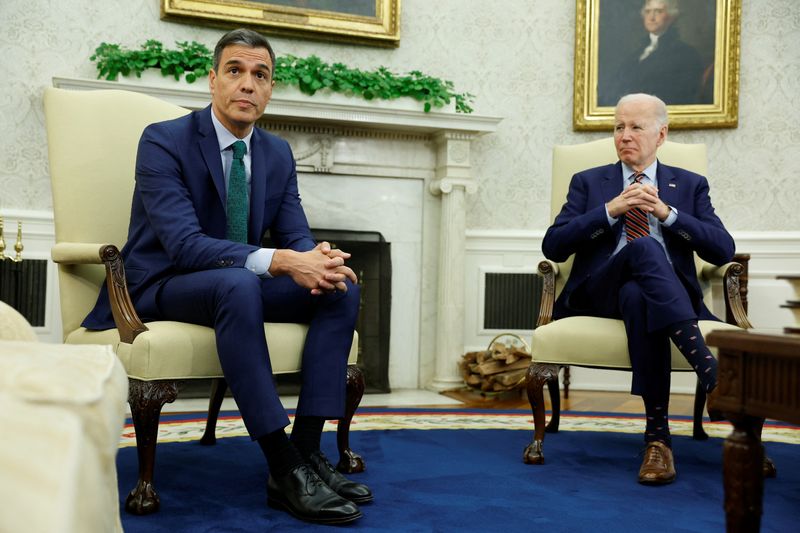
489, 250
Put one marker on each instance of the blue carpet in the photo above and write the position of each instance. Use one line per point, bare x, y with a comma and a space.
466, 480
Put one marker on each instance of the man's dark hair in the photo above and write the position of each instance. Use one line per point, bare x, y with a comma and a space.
243, 37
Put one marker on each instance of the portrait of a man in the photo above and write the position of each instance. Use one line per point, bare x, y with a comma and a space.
659, 47
366, 8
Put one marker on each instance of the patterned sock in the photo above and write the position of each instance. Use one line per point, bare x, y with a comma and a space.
306, 434
281, 454
690, 342
657, 416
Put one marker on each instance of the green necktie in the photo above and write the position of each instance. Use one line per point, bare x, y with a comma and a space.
238, 205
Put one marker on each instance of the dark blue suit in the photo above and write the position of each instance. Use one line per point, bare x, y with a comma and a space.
638, 284
179, 266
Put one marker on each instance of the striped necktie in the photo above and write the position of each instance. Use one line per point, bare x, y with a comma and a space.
636, 224
237, 204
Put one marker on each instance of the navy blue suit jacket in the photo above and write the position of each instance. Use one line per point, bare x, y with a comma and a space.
582, 228
178, 219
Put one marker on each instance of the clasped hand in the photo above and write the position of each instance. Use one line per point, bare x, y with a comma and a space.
322, 270
641, 196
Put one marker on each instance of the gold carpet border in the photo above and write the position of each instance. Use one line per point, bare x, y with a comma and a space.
189, 430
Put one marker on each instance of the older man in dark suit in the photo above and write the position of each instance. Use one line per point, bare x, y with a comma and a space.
634, 227
208, 186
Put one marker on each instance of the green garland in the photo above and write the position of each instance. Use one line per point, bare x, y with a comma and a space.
310, 74
191, 59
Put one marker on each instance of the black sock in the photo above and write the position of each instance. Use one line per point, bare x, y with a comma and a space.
281, 454
657, 416
306, 434
690, 342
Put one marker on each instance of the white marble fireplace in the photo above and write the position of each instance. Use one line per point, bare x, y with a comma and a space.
401, 172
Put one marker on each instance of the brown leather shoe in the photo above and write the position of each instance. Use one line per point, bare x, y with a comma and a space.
658, 467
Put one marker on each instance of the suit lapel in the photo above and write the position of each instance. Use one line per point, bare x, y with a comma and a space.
612, 182
612, 187
209, 147
667, 185
259, 169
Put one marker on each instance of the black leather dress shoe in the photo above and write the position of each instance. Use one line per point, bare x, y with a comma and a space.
305, 496
355, 492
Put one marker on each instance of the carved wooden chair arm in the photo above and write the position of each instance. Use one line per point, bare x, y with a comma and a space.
549, 271
77, 253
729, 274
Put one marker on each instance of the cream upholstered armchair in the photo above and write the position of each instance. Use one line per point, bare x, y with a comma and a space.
601, 342
93, 138
62, 408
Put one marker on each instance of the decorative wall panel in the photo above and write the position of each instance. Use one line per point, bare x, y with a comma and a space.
516, 56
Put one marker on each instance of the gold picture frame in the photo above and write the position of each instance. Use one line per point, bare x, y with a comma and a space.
375, 22
603, 69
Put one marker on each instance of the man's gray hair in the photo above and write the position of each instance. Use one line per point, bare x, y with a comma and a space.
243, 37
659, 107
670, 5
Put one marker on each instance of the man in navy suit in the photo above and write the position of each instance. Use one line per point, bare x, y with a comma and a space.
634, 227
208, 186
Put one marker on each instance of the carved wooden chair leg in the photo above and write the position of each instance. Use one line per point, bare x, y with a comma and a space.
566, 382
218, 388
555, 405
768, 468
146, 399
349, 461
698, 433
538, 375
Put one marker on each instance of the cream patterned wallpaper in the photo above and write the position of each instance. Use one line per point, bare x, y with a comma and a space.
515, 55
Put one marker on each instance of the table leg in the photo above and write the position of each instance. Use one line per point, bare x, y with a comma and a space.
743, 455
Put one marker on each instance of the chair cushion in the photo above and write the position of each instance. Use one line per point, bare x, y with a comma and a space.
177, 350
596, 342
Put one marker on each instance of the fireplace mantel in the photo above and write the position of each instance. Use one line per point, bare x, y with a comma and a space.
339, 135
401, 115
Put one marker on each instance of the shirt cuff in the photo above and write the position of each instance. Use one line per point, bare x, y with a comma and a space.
671, 218
258, 262
611, 220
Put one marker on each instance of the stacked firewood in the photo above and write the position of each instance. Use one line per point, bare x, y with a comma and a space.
500, 368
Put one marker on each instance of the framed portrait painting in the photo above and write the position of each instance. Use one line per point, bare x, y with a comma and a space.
374, 22
684, 51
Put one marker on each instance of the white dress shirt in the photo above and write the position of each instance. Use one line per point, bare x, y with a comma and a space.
653, 222
259, 261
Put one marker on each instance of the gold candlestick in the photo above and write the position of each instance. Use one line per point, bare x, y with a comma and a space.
18, 245
2, 241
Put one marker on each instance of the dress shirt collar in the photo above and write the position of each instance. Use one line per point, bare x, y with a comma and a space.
650, 172
225, 137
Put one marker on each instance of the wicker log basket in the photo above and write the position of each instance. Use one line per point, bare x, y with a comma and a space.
499, 368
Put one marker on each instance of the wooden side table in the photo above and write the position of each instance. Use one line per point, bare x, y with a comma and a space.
759, 377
